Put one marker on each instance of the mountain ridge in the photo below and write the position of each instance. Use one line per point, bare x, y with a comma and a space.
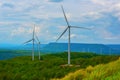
63, 47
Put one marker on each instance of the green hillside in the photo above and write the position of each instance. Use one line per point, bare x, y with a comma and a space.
110, 71
51, 66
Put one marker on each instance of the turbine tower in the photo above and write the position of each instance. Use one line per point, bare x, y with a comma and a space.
33, 40
69, 32
38, 46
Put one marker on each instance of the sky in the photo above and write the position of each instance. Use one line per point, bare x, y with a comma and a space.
17, 18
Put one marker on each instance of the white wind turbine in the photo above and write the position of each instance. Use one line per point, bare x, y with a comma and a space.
32, 40
69, 29
38, 46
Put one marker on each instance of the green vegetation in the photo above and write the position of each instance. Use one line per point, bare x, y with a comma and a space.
110, 71
51, 66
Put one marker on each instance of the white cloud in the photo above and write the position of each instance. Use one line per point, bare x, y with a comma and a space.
79, 36
73, 36
20, 31
24, 29
106, 35
44, 10
102, 2
44, 14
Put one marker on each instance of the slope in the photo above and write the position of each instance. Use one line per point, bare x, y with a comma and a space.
110, 71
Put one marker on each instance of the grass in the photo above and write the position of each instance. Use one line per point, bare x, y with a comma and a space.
110, 71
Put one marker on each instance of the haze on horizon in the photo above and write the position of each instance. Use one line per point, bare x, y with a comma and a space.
18, 17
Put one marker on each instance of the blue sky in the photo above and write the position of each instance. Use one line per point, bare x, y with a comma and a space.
18, 17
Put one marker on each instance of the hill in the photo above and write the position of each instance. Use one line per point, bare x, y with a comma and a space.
110, 71
22, 68
114, 46
81, 47
62, 47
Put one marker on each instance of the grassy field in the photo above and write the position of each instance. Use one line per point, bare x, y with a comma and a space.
110, 71
22, 68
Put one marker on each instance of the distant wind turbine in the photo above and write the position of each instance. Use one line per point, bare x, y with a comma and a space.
109, 51
69, 29
38, 46
101, 51
33, 40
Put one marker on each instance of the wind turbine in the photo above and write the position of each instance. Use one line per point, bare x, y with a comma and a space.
38, 46
69, 33
101, 50
32, 40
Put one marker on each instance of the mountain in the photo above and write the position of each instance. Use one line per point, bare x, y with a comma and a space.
114, 46
80, 47
19, 47
63, 47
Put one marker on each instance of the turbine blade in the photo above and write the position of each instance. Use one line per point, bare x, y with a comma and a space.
65, 15
28, 41
37, 38
33, 31
35, 41
80, 27
62, 34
